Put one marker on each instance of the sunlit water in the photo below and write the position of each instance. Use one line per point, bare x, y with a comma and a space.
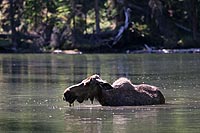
31, 89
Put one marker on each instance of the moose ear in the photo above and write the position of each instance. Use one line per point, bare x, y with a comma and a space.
106, 86
86, 81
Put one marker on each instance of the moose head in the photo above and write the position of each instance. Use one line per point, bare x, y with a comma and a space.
89, 88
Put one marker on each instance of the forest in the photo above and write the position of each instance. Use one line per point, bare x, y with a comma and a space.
98, 25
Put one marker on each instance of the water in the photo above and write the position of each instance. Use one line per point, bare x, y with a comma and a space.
31, 89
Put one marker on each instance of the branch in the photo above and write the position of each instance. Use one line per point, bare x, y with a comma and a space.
139, 8
184, 28
28, 36
123, 27
20, 35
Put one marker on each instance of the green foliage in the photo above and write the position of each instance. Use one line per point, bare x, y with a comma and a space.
63, 8
142, 28
78, 16
38, 11
4, 15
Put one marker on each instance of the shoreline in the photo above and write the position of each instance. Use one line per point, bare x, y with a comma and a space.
165, 51
143, 51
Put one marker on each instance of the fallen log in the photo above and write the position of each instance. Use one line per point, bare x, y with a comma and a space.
163, 51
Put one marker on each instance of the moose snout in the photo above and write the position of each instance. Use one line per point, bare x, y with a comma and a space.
69, 97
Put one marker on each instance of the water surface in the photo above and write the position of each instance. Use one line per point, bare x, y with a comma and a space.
31, 87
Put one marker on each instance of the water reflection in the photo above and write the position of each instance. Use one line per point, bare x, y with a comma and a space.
31, 88
117, 119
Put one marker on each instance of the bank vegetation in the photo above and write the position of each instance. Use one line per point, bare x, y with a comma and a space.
98, 25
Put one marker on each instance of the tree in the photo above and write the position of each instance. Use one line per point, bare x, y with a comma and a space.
52, 24
96, 8
194, 18
14, 18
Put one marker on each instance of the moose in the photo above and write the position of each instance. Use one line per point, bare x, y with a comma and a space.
121, 93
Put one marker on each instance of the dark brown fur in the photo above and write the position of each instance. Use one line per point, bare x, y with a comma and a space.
121, 93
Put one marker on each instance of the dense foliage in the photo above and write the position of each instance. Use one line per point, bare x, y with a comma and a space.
44, 25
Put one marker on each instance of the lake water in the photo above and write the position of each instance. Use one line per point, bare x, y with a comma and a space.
32, 85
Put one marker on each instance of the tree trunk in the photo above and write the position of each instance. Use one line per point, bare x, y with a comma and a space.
12, 25
35, 16
194, 18
74, 21
96, 8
